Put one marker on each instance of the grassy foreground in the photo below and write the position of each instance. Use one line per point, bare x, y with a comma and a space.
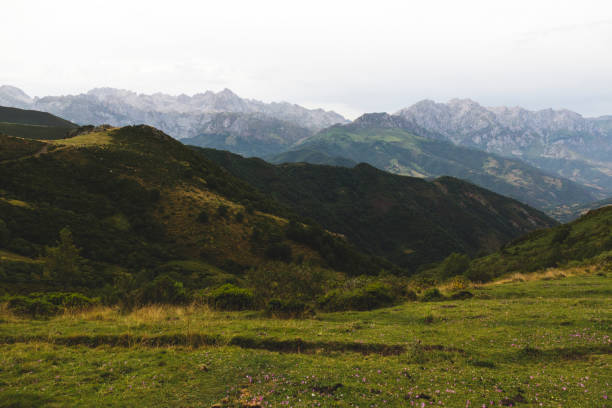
536, 343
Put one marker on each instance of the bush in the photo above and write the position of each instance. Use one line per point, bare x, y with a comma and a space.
462, 295
455, 264
230, 297
432, 295
32, 307
287, 308
222, 210
302, 282
163, 290
203, 217
279, 252
239, 217
70, 300
370, 297
459, 282
478, 275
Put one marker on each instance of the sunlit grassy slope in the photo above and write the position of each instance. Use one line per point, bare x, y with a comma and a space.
522, 343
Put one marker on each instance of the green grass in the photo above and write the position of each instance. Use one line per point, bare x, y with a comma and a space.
545, 341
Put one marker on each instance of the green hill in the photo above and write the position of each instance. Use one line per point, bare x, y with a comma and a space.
408, 220
140, 205
31, 124
391, 147
586, 240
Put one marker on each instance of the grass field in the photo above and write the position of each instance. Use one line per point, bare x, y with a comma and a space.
535, 343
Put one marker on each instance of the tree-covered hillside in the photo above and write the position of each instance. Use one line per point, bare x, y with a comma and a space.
409, 220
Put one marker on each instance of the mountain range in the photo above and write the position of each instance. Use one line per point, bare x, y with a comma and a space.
398, 145
559, 141
222, 119
553, 160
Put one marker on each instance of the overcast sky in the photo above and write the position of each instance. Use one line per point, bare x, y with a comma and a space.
350, 56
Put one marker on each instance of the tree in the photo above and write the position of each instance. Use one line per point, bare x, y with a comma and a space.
63, 262
455, 264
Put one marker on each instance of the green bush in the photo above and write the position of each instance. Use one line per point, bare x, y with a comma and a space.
478, 275
230, 297
302, 282
462, 295
163, 289
372, 296
287, 308
432, 295
32, 307
70, 300
454, 264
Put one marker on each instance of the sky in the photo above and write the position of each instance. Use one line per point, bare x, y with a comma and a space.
349, 56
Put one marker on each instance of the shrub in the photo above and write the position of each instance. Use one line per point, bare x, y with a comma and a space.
462, 295
370, 297
459, 282
222, 210
239, 217
302, 282
478, 275
230, 297
287, 308
203, 217
70, 300
279, 252
432, 295
410, 295
455, 264
163, 289
32, 307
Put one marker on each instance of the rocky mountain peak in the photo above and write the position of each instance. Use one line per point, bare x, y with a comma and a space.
14, 97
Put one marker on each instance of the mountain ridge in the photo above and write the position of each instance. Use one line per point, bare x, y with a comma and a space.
560, 141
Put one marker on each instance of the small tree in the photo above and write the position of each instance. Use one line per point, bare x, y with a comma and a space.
455, 264
63, 262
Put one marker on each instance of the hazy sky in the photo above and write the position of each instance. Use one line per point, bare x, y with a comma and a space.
351, 56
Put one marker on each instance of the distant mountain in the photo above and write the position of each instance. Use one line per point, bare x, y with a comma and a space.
390, 142
559, 141
310, 156
249, 134
31, 124
570, 213
208, 117
408, 220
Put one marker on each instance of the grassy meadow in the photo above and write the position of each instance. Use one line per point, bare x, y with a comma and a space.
538, 341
